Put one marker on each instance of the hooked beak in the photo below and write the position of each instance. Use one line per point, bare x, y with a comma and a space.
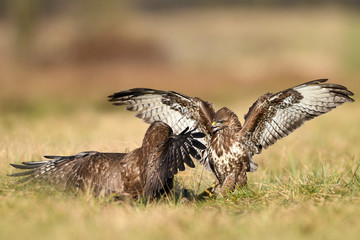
215, 126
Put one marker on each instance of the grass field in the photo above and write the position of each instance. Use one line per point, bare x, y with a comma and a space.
307, 185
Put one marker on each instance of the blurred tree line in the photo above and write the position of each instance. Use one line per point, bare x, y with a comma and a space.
23, 15
166, 4
48, 7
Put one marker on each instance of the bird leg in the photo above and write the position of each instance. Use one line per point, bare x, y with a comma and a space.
228, 185
209, 192
236, 178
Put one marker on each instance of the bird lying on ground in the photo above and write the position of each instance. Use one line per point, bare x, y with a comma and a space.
147, 171
230, 146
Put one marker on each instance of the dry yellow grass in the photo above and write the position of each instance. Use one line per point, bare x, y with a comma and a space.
307, 184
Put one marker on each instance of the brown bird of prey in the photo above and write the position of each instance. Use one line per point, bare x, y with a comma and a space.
230, 146
147, 171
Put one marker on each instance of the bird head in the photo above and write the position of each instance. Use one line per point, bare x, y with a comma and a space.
217, 125
223, 119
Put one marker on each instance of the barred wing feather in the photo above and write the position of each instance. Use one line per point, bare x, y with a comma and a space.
173, 108
274, 116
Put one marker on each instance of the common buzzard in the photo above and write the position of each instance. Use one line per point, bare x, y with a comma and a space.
146, 171
229, 145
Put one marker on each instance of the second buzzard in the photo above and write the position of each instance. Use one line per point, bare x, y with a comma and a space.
146, 171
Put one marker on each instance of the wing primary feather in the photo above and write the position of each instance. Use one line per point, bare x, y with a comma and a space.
198, 135
19, 174
181, 166
188, 161
180, 159
197, 144
184, 131
194, 153
24, 166
53, 157
35, 163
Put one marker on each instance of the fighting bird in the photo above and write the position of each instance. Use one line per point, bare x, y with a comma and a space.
147, 171
230, 145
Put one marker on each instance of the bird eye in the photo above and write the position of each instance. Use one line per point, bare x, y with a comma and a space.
221, 121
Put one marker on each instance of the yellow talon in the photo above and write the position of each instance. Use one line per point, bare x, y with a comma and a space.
210, 190
209, 193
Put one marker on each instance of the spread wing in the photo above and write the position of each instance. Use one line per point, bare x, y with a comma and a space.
177, 110
274, 116
76, 171
175, 153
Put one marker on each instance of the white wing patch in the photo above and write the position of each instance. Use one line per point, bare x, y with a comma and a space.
177, 121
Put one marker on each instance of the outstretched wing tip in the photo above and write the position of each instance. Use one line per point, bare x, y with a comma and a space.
316, 81
24, 166
15, 165
322, 80
313, 82
24, 173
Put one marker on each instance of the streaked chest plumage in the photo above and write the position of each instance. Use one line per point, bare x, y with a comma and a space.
227, 152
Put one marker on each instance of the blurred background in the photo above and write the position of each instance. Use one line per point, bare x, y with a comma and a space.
59, 52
